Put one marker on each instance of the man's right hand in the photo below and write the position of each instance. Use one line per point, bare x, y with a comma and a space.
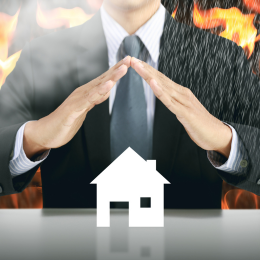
59, 127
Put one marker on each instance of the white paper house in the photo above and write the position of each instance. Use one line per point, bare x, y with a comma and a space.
131, 179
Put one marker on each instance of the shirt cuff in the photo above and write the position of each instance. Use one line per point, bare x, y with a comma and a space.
19, 162
237, 162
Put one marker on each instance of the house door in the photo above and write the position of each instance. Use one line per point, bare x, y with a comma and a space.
119, 205
119, 225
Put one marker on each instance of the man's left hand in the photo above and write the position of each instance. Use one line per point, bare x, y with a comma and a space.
204, 129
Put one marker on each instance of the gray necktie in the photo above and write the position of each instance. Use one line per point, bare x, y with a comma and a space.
128, 126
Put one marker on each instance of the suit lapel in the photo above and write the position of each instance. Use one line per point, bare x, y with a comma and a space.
167, 128
91, 63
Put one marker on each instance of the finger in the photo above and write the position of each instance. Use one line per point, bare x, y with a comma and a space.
104, 98
147, 72
113, 73
102, 89
185, 96
172, 104
143, 69
95, 95
105, 88
126, 61
185, 100
95, 90
91, 96
118, 73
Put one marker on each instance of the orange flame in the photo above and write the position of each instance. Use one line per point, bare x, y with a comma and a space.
240, 199
174, 12
7, 28
31, 197
238, 27
59, 17
6, 67
254, 5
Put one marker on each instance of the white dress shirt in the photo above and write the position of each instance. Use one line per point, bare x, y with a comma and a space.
150, 34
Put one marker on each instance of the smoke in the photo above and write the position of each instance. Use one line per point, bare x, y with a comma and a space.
27, 27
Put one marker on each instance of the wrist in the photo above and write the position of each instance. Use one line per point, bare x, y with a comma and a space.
31, 143
224, 140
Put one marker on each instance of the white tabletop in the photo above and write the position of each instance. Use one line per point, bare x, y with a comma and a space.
72, 234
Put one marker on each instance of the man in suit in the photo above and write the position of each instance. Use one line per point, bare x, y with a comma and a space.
79, 97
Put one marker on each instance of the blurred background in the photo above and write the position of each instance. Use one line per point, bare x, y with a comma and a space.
23, 20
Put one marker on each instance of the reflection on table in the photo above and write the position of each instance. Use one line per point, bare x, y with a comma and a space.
72, 234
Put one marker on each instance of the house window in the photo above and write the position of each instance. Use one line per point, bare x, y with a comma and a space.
145, 202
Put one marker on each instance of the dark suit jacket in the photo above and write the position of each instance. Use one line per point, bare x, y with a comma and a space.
52, 66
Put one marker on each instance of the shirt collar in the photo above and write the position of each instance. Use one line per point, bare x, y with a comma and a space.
150, 34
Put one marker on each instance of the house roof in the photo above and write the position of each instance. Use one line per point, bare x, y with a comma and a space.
130, 167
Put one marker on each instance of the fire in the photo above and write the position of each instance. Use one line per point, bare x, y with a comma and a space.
7, 28
6, 67
31, 197
174, 12
59, 17
238, 27
240, 199
254, 5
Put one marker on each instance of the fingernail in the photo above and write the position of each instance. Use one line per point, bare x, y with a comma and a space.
104, 88
125, 58
120, 67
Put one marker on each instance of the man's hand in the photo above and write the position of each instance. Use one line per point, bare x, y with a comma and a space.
203, 128
60, 126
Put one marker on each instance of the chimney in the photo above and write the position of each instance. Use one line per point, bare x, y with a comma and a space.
152, 164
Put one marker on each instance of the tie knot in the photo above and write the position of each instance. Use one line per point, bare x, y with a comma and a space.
132, 45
